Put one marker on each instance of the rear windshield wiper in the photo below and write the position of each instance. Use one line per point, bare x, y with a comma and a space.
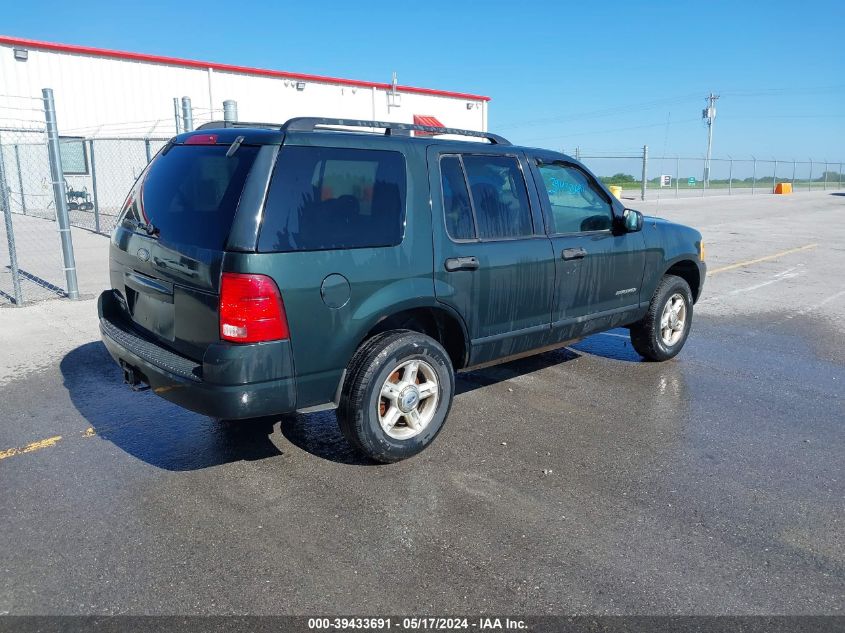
234, 147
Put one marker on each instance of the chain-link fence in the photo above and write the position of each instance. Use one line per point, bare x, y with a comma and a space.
684, 176
31, 265
51, 182
95, 185
97, 175
113, 164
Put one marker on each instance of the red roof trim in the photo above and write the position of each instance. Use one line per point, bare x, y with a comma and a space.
190, 63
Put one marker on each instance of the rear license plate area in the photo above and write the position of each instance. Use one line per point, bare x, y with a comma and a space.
152, 314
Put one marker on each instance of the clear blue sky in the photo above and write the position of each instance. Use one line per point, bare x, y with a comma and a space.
602, 75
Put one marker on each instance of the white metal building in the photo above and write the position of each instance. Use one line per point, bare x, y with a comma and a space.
116, 109
110, 93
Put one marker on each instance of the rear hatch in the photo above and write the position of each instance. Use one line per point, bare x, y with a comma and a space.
167, 249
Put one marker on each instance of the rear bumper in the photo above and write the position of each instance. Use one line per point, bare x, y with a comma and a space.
232, 382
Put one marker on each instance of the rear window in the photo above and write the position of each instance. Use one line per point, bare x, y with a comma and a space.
334, 198
190, 194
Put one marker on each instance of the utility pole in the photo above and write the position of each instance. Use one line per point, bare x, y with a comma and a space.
709, 115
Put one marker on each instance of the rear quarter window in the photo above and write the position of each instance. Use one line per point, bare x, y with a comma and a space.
324, 198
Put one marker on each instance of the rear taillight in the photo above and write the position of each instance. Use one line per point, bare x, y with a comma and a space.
251, 309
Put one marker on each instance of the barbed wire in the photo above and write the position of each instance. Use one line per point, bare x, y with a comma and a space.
5, 96
17, 109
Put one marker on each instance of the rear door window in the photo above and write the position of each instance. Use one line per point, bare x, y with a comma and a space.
499, 197
334, 198
456, 204
190, 193
496, 204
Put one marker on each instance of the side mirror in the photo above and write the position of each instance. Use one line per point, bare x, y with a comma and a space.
633, 220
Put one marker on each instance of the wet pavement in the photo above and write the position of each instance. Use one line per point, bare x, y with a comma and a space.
576, 481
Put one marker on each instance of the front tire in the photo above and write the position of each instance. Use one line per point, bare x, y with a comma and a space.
662, 332
398, 391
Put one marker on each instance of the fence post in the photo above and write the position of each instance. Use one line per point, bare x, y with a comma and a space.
147, 150
176, 114
645, 172
578, 154
793, 175
230, 111
58, 193
825, 175
810, 181
94, 185
10, 233
731, 177
677, 174
20, 179
754, 176
187, 115
840, 176
775, 177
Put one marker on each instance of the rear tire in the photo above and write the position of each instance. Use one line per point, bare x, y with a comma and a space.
397, 393
662, 332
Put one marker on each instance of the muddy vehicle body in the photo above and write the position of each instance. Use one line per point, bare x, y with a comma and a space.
260, 269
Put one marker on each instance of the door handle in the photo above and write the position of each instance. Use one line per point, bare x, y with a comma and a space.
461, 263
573, 253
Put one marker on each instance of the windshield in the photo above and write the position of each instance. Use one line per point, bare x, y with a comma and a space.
189, 193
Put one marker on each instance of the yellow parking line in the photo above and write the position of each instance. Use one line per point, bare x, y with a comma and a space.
749, 262
47, 443
29, 448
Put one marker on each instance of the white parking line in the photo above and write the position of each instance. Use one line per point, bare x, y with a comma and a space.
787, 274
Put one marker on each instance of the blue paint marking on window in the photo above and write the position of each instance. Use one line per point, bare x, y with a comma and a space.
559, 186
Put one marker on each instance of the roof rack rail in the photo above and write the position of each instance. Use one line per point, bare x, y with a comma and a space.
216, 125
310, 124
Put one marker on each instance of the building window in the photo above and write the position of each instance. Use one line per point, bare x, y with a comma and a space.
74, 156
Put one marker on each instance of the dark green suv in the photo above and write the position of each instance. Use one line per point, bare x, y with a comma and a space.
324, 263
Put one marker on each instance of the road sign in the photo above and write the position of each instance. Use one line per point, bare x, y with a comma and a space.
665, 181
691, 182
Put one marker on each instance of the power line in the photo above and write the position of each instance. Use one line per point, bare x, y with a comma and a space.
607, 131
784, 90
590, 114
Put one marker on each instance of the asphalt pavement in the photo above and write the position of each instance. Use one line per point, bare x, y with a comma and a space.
581, 481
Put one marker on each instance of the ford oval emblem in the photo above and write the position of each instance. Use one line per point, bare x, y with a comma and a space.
143, 254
